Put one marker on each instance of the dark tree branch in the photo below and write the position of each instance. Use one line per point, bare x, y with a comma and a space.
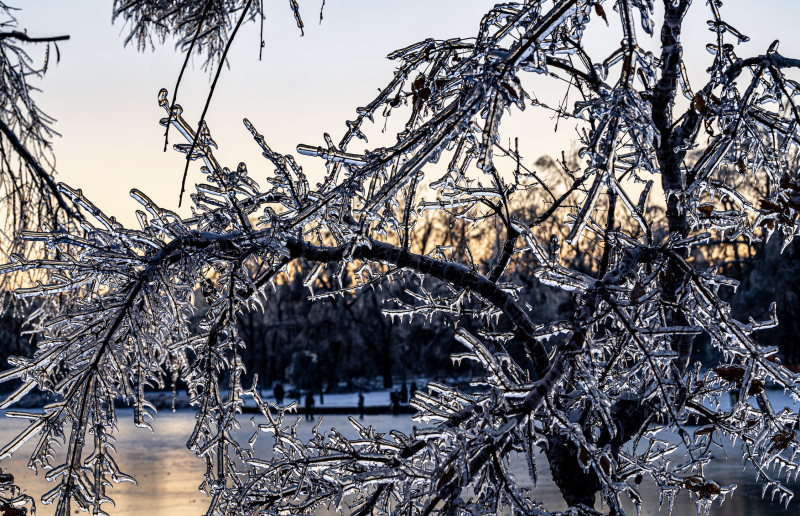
208, 100
557, 204
505, 256
591, 79
774, 60
452, 273
669, 161
183, 68
24, 37
46, 178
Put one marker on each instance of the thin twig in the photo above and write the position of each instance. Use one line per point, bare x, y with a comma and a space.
208, 100
261, 42
183, 68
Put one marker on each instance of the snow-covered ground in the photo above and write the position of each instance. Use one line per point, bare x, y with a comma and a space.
380, 398
778, 399
163, 400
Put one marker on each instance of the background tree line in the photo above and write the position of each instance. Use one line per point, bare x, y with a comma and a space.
355, 344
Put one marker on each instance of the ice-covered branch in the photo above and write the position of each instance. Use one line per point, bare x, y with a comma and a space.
597, 389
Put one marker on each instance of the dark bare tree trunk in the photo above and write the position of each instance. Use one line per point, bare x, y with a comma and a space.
385, 357
672, 178
333, 366
576, 485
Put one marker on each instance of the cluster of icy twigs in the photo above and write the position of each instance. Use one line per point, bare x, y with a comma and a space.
602, 388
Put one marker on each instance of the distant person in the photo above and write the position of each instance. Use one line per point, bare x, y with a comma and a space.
361, 404
412, 390
310, 406
279, 394
395, 403
403, 394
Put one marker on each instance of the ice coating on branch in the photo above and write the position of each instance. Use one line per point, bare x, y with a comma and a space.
597, 393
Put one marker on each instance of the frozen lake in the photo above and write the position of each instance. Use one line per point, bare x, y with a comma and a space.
168, 473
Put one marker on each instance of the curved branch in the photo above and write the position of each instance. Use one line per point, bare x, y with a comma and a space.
453, 273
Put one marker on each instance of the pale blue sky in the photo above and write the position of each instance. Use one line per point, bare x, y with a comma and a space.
105, 96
